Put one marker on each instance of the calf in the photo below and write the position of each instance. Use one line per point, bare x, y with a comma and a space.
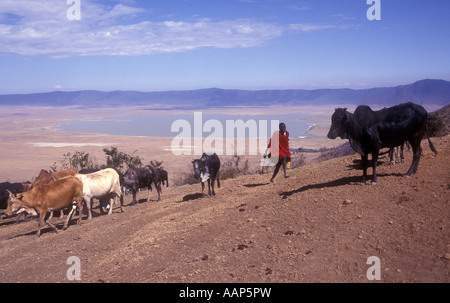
368, 131
103, 183
207, 169
58, 195
141, 177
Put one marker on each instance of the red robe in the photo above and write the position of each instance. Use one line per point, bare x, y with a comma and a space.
283, 144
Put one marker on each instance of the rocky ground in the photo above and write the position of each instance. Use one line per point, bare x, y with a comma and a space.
318, 225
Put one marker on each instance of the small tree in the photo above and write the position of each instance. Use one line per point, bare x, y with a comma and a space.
232, 167
436, 126
120, 160
79, 160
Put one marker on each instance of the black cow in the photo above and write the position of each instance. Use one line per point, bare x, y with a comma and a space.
142, 177
368, 131
15, 188
163, 176
207, 168
85, 171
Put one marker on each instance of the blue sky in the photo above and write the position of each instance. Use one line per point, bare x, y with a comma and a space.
242, 44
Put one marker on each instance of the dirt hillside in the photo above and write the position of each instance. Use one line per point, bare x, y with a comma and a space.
318, 225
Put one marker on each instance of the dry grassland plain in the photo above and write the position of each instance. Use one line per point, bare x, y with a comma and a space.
31, 140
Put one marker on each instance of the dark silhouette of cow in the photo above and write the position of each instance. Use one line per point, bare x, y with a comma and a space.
5, 189
163, 176
369, 130
141, 177
207, 169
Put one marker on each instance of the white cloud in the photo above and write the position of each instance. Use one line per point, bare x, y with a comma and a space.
299, 7
41, 28
309, 27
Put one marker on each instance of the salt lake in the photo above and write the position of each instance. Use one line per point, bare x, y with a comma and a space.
170, 125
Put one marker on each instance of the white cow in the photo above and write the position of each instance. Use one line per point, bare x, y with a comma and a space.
99, 185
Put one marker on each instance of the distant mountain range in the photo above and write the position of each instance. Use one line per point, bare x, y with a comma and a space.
435, 92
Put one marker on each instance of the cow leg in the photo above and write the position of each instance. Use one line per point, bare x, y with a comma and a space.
149, 189
133, 191
24, 214
391, 155
364, 160
111, 203
203, 189
89, 206
374, 167
209, 186
41, 220
417, 152
80, 206
212, 186
402, 156
158, 189
101, 205
121, 203
69, 216
51, 225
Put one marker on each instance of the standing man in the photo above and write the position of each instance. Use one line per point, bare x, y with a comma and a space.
280, 149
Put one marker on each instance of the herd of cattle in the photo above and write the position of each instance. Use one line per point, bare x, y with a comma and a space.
368, 131
71, 189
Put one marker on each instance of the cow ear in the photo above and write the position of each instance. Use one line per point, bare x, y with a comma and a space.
10, 193
346, 116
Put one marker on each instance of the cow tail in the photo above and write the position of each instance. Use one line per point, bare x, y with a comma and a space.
218, 181
429, 141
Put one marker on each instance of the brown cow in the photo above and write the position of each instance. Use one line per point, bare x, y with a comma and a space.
64, 173
58, 195
45, 177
